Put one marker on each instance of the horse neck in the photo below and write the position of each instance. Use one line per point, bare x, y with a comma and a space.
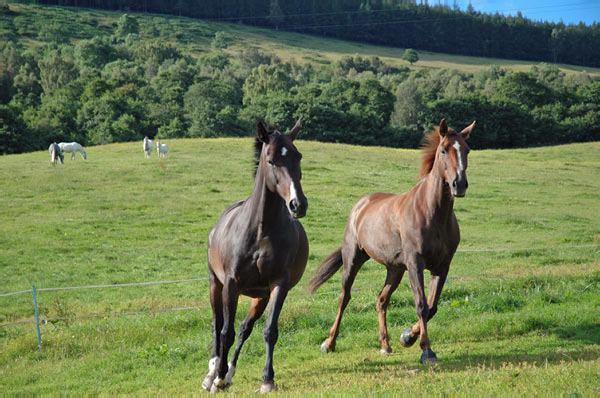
438, 200
265, 207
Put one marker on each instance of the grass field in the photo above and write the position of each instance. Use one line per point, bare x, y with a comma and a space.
196, 35
511, 322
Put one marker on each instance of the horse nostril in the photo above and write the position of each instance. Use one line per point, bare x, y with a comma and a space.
454, 183
294, 205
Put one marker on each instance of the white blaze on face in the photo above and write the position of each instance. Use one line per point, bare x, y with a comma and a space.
284, 151
459, 157
293, 194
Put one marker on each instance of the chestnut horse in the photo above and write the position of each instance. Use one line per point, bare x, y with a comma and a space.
257, 248
413, 231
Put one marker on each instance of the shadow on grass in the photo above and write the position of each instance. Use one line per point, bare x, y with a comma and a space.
588, 333
543, 354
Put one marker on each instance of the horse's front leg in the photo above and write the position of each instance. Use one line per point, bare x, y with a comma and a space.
271, 333
230, 299
415, 266
435, 290
216, 302
73, 155
257, 307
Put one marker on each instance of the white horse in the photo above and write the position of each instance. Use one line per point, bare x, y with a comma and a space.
56, 153
162, 149
148, 146
73, 148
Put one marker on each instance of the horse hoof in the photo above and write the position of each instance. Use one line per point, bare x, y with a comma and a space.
406, 340
429, 356
218, 386
268, 387
386, 350
325, 348
208, 382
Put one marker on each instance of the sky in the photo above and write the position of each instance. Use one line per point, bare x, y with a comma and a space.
567, 11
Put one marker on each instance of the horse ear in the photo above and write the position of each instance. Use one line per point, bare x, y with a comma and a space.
296, 129
467, 131
443, 128
261, 133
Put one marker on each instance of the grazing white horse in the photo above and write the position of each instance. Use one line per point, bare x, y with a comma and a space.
73, 148
148, 146
162, 149
56, 153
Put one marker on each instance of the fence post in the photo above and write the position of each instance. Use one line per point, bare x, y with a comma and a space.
37, 318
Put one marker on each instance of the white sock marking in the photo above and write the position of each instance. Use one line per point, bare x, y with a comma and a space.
230, 374
212, 365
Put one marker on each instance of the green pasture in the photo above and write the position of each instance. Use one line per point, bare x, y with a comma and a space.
519, 316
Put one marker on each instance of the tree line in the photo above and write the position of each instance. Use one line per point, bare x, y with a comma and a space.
123, 83
398, 23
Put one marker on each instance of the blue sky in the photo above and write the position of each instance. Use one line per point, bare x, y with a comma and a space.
569, 11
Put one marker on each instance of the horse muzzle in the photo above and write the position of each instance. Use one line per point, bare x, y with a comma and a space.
459, 187
298, 207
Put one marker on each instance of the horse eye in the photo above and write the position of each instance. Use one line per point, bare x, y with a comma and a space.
444, 152
271, 162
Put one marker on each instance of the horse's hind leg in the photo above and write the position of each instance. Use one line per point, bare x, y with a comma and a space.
271, 334
257, 307
353, 258
393, 278
216, 302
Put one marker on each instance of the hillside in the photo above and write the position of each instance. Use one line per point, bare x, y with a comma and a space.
517, 317
196, 36
397, 23
99, 77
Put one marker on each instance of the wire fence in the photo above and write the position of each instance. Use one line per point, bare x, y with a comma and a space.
37, 320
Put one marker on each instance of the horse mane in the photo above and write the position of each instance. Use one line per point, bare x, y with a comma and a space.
257, 150
429, 148
258, 144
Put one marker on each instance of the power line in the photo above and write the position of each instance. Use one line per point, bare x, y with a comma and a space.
388, 10
391, 22
395, 10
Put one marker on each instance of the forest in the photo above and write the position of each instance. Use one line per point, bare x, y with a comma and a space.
120, 82
398, 23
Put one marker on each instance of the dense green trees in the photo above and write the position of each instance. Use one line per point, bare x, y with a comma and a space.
122, 84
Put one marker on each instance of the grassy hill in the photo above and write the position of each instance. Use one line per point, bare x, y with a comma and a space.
519, 315
196, 36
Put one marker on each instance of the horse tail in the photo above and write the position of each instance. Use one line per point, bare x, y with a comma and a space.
326, 269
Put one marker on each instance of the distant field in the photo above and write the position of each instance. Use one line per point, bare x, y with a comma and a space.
519, 319
196, 36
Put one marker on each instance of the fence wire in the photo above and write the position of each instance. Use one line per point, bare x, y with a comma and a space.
163, 310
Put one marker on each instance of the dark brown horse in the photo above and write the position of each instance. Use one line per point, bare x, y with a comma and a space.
257, 248
413, 231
